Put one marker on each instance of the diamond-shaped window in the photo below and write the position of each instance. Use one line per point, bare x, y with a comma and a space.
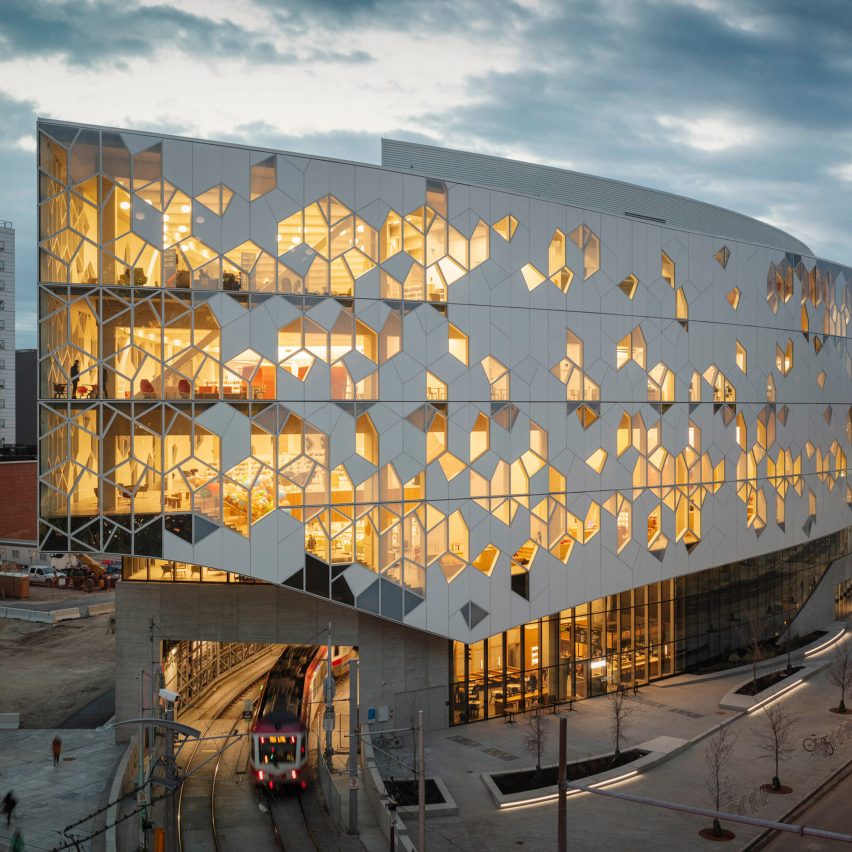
506, 227
562, 279
532, 277
216, 199
486, 560
733, 297
628, 285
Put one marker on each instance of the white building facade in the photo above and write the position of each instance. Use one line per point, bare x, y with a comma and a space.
440, 393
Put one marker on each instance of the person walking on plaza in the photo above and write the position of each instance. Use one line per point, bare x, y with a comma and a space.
57, 749
9, 803
17, 844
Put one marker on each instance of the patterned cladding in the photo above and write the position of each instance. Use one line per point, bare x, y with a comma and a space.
421, 399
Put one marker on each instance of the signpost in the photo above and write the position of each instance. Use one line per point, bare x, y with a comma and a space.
328, 721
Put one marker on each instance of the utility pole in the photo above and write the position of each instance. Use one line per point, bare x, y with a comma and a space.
328, 719
142, 796
421, 783
562, 809
353, 746
171, 804
391, 806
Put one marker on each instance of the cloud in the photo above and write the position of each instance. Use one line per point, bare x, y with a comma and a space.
94, 33
742, 106
745, 105
431, 18
842, 171
710, 133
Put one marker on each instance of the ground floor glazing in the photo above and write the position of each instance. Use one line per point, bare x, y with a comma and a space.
686, 623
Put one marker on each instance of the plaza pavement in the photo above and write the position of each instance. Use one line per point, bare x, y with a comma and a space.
51, 798
681, 708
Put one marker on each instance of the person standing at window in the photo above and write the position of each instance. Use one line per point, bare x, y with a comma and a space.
75, 378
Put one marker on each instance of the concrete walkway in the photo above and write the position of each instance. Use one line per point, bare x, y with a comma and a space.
682, 711
51, 798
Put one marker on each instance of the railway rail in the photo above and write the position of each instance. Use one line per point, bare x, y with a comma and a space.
197, 820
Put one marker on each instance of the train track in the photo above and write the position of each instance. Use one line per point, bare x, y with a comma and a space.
198, 827
218, 807
290, 819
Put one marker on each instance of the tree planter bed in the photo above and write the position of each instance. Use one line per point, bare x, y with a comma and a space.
766, 681
405, 792
525, 781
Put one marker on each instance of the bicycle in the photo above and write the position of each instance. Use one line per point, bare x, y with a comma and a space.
387, 741
813, 742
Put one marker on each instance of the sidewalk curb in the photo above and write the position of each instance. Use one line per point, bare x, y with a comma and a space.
823, 643
54, 616
738, 703
126, 762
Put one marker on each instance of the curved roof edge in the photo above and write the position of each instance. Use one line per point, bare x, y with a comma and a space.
581, 190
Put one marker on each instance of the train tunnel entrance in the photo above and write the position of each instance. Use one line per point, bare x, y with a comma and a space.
272, 724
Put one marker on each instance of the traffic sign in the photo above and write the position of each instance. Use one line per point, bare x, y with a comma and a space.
354, 783
328, 720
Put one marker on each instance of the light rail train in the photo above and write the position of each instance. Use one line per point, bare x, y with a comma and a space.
284, 714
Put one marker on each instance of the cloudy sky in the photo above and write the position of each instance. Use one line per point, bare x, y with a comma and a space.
746, 104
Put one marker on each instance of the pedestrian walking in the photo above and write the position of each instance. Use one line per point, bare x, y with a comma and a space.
57, 749
17, 844
9, 803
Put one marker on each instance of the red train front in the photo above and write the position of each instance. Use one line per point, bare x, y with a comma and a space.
280, 752
279, 735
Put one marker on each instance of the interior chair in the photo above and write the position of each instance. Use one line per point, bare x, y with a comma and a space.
184, 388
147, 389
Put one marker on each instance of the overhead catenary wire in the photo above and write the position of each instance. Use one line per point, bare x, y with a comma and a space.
802, 830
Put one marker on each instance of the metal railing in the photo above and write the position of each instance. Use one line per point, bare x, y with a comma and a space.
329, 789
5, 223
197, 665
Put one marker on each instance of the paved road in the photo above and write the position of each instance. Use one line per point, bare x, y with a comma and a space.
97, 712
830, 812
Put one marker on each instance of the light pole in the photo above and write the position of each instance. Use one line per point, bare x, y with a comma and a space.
328, 718
353, 746
421, 783
562, 807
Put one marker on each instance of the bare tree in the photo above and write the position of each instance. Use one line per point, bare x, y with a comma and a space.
750, 635
535, 739
620, 711
716, 758
789, 612
775, 737
840, 672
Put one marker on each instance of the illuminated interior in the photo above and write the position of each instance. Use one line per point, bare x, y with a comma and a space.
419, 383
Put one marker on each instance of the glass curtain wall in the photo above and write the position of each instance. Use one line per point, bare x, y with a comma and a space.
639, 635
